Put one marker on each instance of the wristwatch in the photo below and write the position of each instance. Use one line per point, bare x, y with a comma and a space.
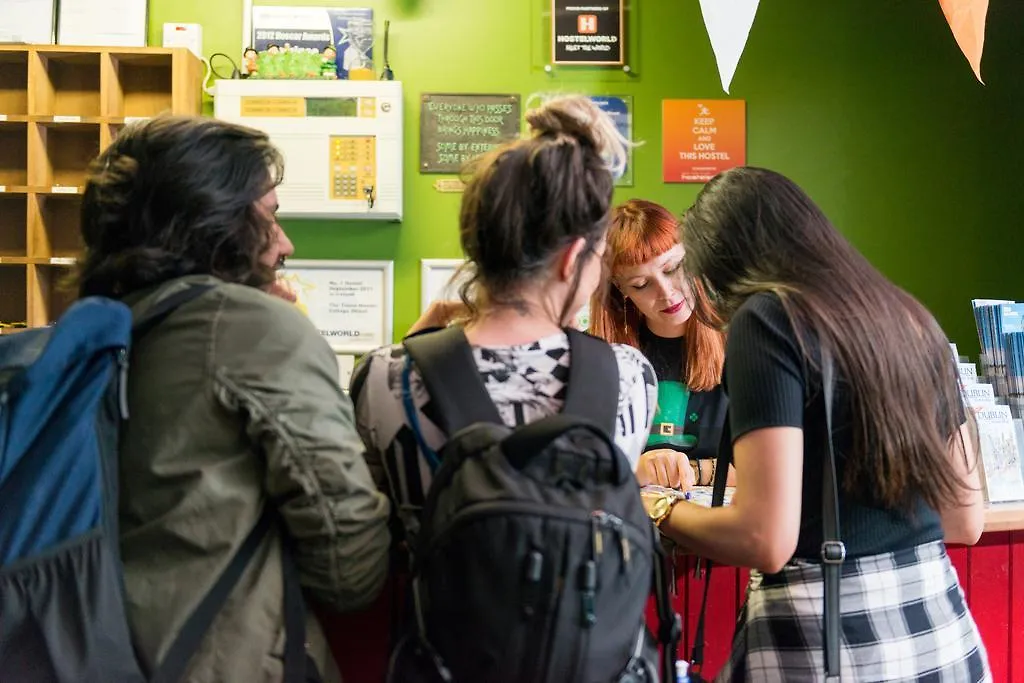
661, 508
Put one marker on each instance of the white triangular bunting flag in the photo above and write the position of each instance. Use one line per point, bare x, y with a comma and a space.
966, 18
728, 23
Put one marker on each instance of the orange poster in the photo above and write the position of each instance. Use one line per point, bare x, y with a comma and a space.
701, 138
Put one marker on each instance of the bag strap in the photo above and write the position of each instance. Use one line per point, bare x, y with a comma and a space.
446, 364
593, 389
163, 308
172, 668
670, 624
717, 500
295, 657
833, 550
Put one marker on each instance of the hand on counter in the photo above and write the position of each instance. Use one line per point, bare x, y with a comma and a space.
665, 467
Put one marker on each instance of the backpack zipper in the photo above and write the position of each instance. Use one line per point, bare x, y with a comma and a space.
122, 381
602, 519
622, 529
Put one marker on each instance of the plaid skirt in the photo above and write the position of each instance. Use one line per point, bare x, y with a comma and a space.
903, 619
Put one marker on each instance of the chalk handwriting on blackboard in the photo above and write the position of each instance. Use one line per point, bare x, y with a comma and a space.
456, 128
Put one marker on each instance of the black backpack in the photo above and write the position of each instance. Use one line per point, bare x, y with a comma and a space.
535, 557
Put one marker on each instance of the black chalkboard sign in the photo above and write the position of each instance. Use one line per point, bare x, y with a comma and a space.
587, 33
456, 128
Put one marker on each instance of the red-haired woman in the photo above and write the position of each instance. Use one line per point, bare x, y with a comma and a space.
647, 303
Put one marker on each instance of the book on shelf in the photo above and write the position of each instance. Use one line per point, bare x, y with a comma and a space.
1000, 455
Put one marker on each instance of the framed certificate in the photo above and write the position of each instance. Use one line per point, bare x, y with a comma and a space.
351, 303
438, 280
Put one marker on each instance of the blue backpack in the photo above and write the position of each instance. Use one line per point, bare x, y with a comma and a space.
63, 396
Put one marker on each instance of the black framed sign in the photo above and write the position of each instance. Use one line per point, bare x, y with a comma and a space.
454, 128
588, 32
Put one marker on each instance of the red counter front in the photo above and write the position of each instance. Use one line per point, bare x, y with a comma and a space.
991, 572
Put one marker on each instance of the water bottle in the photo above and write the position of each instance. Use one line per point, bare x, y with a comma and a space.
682, 671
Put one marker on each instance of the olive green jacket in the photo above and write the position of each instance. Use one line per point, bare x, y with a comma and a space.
235, 404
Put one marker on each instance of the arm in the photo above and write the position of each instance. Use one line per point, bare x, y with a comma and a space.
286, 384
760, 528
765, 383
964, 522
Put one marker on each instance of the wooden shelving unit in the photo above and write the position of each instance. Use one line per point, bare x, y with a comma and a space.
59, 106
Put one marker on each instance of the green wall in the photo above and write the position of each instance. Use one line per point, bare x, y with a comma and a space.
869, 105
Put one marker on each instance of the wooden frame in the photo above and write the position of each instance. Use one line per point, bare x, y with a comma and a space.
59, 106
343, 329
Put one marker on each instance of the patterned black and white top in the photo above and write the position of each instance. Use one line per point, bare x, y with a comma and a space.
526, 382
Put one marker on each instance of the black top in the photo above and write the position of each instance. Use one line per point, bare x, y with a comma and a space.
686, 421
769, 384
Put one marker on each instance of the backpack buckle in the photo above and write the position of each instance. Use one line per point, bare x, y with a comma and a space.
833, 552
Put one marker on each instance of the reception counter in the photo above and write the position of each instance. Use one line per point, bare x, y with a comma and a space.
991, 572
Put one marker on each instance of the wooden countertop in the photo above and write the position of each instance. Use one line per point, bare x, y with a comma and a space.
1004, 517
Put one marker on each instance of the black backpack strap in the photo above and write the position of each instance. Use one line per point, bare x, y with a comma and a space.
163, 308
446, 364
717, 500
298, 666
670, 624
833, 551
593, 390
174, 664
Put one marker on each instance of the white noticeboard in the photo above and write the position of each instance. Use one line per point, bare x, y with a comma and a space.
349, 302
440, 281
115, 23
341, 141
346, 366
27, 21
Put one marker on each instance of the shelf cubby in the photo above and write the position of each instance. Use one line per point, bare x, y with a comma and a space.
14, 83
13, 294
65, 83
13, 154
50, 292
59, 106
13, 217
108, 133
62, 152
139, 85
54, 230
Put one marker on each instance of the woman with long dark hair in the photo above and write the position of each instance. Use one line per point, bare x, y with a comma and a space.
794, 293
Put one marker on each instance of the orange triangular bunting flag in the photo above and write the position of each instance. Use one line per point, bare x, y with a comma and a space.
967, 20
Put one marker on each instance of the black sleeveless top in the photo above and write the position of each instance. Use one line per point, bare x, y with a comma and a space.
686, 421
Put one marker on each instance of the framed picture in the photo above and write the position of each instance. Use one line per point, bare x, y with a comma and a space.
588, 34
351, 303
438, 280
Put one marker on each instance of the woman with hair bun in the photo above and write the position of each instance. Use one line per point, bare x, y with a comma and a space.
532, 225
